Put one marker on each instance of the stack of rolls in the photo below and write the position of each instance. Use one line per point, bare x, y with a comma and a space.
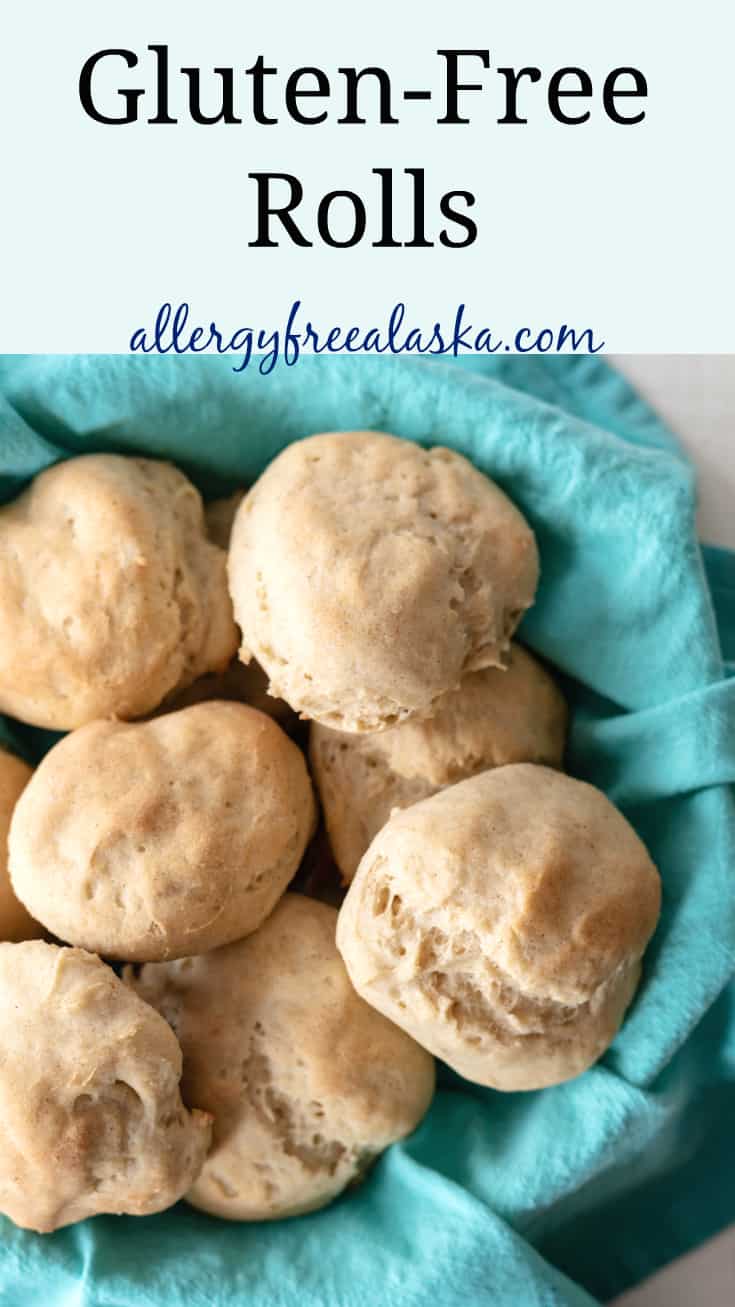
187, 1010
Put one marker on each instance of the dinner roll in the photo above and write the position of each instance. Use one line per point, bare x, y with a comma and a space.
369, 574
89, 1094
495, 717
111, 595
501, 922
306, 1082
164, 838
15, 922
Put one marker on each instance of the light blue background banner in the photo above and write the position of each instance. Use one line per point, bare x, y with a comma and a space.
622, 230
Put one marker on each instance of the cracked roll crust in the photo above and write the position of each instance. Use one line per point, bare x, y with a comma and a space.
369, 575
307, 1083
111, 596
495, 717
502, 922
15, 922
89, 1094
165, 838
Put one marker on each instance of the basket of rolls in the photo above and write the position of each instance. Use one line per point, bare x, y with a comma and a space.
364, 830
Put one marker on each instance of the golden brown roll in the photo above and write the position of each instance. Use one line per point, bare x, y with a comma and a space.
369, 575
502, 922
497, 716
306, 1082
161, 839
111, 595
89, 1094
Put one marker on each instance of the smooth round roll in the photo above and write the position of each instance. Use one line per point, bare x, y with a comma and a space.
495, 717
502, 923
89, 1094
306, 1082
164, 838
111, 595
15, 922
369, 575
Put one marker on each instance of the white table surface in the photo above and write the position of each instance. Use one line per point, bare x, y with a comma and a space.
696, 395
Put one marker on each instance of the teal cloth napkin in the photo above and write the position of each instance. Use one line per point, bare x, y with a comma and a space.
524, 1200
